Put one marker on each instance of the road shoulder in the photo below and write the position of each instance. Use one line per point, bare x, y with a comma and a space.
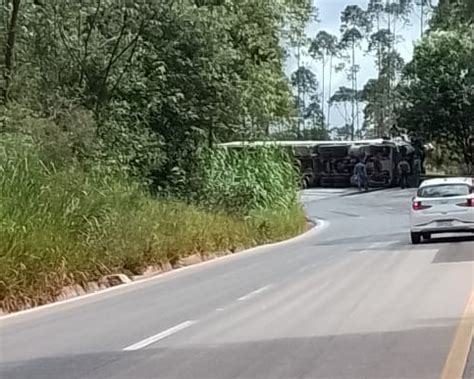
314, 227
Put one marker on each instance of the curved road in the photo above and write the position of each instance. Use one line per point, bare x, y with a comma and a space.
351, 300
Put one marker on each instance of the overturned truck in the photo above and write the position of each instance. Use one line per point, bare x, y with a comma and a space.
334, 163
331, 163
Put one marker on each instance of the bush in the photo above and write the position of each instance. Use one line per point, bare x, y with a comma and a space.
66, 225
247, 180
68, 136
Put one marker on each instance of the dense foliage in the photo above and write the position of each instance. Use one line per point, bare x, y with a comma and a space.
110, 113
68, 225
248, 180
437, 93
161, 78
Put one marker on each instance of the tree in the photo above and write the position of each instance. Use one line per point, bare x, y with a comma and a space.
314, 113
398, 12
437, 93
183, 74
343, 132
443, 66
424, 7
344, 96
324, 46
355, 24
10, 41
305, 81
450, 14
385, 16
374, 96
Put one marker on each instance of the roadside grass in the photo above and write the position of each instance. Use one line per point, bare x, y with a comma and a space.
244, 180
71, 225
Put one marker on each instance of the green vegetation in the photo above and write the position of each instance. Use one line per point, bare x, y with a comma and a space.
248, 180
110, 113
72, 224
437, 90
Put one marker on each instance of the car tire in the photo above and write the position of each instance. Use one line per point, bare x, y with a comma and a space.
415, 238
426, 236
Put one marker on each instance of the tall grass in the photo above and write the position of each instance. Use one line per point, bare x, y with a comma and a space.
68, 225
248, 179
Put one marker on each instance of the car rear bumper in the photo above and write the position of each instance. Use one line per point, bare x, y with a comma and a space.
433, 227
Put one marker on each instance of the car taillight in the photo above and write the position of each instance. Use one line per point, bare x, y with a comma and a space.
468, 203
418, 206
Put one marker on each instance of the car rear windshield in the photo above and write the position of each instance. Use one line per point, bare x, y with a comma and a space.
445, 190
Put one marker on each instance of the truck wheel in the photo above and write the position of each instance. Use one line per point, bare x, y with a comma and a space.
415, 238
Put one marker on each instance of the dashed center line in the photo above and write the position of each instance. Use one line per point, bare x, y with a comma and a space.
381, 244
311, 267
254, 293
157, 337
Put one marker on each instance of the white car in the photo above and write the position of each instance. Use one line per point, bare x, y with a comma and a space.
442, 206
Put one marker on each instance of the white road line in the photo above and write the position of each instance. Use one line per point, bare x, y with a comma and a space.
381, 244
314, 266
253, 293
424, 250
157, 337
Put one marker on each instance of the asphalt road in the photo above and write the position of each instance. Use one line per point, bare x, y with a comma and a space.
469, 370
351, 300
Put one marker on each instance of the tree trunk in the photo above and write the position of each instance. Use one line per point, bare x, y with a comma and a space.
328, 123
471, 5
379, 49
356, 85
10, 49
304, 108
389, 78
323, 97
298, 57
392, 72
422, 18
353, 92
379, 109
346, 115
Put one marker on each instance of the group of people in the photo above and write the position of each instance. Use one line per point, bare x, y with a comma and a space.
409, 175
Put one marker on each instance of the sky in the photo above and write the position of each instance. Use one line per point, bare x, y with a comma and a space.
329, 12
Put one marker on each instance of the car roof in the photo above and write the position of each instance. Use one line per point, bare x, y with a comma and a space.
441, 181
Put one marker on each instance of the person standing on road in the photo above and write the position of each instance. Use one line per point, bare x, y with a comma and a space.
417, 171
404, 170
360, 171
